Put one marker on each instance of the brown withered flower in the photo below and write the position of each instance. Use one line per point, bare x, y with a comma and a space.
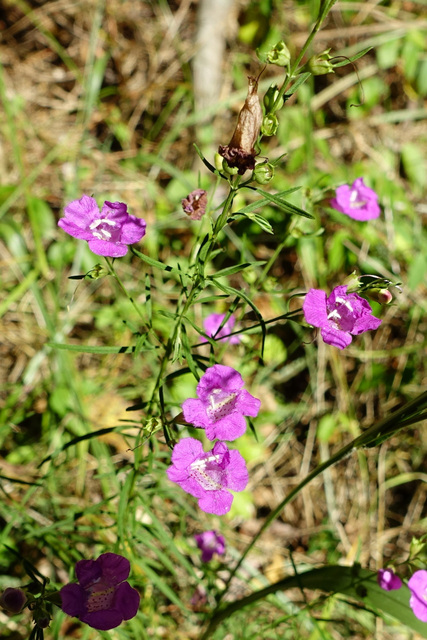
240, 151
194, 205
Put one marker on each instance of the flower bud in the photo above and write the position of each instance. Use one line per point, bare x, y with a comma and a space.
269, 125
383, 296
230, 171
353, 283
270, 98
240, 151
263, 173
279, 55
319, 64
13, 599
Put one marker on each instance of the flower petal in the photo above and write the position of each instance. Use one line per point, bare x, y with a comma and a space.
126, 601
81, 212
73, 598
115, 568
103, 619
195, 413
217, 502
108, 249
335, 337
228, 428
314, 308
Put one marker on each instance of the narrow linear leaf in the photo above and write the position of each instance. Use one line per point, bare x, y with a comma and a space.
259, 220
352, 58
100, 350
303, 77
155, 263
263, 201
284, 205
228, 271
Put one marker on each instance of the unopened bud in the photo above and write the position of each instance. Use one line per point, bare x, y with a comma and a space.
230, 171
319, 65
279, 55
383, 296
263, 173
269, 125
13, 599
271, 97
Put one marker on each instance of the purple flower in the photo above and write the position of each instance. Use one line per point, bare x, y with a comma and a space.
102, 599
13, 599
418, 601
339, 316
208, 476
221, 405
388, 580
358, 201
108, 233
212, 323
194, 205
210, 542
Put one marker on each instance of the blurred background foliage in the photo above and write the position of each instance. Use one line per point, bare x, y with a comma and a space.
98, 98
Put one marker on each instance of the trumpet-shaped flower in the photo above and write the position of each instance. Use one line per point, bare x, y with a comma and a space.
108, 233
418, 601
212, 323
210, 542
208, 476
388, 580
357, 201
339, 316
221, 405
102, 599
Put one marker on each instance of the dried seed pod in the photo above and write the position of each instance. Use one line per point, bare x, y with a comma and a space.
240, 151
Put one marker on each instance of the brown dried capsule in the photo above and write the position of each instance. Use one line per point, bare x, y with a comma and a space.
240, 151
194, 205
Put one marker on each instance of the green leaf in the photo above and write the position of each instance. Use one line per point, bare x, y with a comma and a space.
156, 263
259, 220
263, 201
101, 350
352, 58
238, 267
284, 205
303, 77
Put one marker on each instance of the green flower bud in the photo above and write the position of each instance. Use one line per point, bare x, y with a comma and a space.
319, 65
270, 98
269, 124
353, 283
279, 55
218, 162
263, 173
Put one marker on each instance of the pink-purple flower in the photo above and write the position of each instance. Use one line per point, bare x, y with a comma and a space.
221, 405
108, 232
357, 201
388, 580
13, 599
418, 601
209, 475
102, 599
339, 316
212, 325
210, 542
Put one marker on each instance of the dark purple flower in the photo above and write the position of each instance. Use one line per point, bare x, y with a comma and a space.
194, 205
212, 323
208, 476
102, 599
13, 599
221, 405
358, 201
418, 601
339, 316
108, 233
388, 580
210, 542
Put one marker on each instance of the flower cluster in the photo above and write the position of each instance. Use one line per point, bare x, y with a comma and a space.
219, 409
